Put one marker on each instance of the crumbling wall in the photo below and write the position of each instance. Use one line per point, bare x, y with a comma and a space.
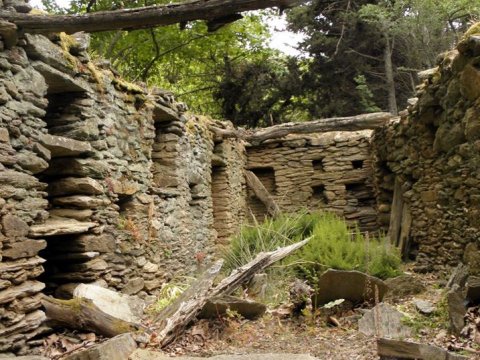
433, 153
330, 171
100, 181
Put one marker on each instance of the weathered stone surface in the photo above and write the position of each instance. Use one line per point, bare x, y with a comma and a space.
104, 243
14, 227
457, 308
78, 167
133, 286
164, 114
60, 226
142, 354
110, 302
25, 289
39, 47
384, 321
20, 264
80, 201
31, 162
59, 82
20, 180
354, 286
60, 146
72, 186
397, 349
119, 348
77, 214
403, 285
424, 307
22, 249
246, 308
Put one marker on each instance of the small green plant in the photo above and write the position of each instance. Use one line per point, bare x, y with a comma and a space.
168, 293
333, 244
437, 321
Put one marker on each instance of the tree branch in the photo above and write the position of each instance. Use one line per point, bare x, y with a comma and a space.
140, 18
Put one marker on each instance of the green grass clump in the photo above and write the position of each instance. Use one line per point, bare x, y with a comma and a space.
333, 244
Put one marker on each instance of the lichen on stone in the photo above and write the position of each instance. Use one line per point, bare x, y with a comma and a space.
472, 30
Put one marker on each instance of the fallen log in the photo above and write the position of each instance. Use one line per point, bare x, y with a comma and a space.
220, 134
83, 314
254, 183
245, 273
140, 18
176, 317
352, 123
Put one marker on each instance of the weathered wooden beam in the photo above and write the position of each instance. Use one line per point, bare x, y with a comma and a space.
173, 319
254, 183
352, 123
140, 18
83, 314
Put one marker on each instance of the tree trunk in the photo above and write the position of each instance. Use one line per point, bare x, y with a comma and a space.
83, 314
352, 123
140, 18
390, 78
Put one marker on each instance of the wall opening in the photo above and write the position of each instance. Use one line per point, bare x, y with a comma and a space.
319, 195
317, 165
266, 175
357, 164
73, 193
361, 192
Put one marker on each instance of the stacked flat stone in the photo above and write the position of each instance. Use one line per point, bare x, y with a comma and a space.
326, 171
434, 152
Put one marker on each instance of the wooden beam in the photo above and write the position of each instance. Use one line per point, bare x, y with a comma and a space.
83, 314
140, 18
254, 183
353, 123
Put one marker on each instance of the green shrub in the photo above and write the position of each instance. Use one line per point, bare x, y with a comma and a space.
333, 244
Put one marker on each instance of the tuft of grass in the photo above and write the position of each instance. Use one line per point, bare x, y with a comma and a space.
168, 293
333, 244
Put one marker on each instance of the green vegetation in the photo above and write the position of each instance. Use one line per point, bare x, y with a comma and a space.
333, 244
359, 56
437, 321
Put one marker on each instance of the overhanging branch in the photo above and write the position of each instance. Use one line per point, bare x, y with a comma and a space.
140, 18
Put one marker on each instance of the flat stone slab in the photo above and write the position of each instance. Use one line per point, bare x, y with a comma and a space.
119, 348
384, 321
141, 354
74, 186
60, 226
59, 82
354, 286
60, 146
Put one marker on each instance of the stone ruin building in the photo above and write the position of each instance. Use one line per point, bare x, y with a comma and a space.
107, 182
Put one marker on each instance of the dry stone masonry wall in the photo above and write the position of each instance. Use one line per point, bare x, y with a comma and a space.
433, 152
330, 171
100, 181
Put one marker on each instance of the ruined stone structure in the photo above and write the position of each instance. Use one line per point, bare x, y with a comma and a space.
330, 171
433, 155
108, 182
100, 181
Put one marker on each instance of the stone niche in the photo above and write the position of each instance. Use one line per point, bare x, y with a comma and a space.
325, 171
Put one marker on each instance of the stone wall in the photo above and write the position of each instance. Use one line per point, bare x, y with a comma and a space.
100, 181
433, 152
330, 171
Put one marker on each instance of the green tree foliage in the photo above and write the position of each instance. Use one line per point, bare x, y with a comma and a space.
351, 38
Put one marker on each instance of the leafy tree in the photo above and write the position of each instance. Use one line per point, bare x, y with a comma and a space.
384, 42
